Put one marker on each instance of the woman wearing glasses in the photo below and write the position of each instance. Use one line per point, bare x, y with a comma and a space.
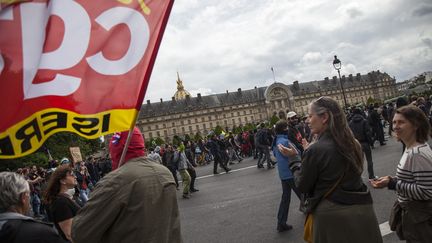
338, 202
59, 196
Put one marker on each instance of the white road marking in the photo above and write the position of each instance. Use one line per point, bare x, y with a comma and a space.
221, 173
384, 227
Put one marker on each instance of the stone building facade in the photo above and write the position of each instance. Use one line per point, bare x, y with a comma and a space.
184, 114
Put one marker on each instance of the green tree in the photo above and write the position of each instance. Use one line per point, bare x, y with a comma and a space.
198, 136
218, 130
176, 140
274, 119
58, 146
249, 127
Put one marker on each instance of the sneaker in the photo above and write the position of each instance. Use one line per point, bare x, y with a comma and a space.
260, 166
215, 173
186, 196
284, 227
194, 190
227, 170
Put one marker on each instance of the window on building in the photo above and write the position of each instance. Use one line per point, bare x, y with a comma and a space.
211, 125
174, 131
238, 113
190, 128
197, 127
224, 115
233, 122
252, 118
150, 135
202, 119
225, 123
204, 126
157, 126
165, 133
209, 118
173, 124
182, 122
244, 112
183, 130
158, 133
164, 125
149, 128
239, 119
189, 122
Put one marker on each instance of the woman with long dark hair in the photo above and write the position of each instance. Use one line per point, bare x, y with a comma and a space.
59, 198
338, 203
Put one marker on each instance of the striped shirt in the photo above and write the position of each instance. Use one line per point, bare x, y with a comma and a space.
414, 174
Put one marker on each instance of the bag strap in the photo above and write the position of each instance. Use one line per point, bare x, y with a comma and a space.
334, 186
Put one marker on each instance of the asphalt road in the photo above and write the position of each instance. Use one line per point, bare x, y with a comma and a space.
241, 206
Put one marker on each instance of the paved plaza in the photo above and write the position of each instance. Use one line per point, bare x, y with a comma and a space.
241, 206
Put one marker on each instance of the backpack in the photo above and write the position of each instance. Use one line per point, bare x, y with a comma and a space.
262, 137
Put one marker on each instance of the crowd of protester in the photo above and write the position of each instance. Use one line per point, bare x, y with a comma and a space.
57, 193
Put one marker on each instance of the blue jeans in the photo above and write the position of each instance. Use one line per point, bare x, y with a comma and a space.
84, 194
35, 203
287, 185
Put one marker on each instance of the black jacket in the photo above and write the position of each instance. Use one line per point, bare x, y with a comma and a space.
322, 166
16, 228
360, 128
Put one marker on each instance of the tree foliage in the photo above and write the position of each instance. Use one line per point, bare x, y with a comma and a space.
274, 119
58, 146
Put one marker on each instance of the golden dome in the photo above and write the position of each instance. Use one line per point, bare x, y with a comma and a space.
181, 93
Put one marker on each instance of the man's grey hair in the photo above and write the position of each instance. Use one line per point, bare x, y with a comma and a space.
12, 185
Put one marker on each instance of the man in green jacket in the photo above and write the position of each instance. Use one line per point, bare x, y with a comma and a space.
135, 203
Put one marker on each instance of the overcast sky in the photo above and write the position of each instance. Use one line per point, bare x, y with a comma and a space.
225, 45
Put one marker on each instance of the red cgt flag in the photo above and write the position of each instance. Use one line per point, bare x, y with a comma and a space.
79, 66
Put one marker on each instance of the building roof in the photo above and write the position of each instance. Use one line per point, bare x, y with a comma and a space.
253, 95
202, 102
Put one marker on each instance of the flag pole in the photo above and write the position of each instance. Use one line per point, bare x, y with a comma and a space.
146, 78
125, 148
274, 79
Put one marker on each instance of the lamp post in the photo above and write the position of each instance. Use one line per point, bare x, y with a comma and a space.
337, 64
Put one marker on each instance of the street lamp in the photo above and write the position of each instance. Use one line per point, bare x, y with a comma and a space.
337, 64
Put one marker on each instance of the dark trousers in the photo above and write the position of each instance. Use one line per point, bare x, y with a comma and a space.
264, 155
174, 173
368, 153
218, 160
287, 186
192, 174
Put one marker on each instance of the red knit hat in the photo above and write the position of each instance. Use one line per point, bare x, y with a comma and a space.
135, 149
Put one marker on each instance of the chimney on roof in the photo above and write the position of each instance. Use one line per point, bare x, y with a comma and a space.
161, 100
199, 95
343, 78
227, 91
148, 102
296, 85
350, 77
239, 89
358, 77
334, 78
187, 97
